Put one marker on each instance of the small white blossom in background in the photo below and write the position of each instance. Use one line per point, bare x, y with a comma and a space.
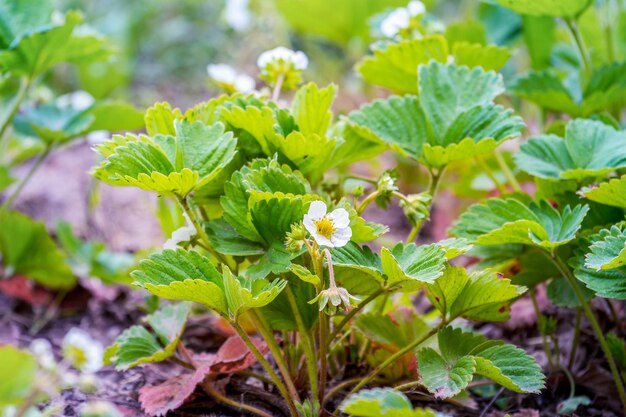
227, 78
42, 350
400, 18
99, 408
78, 100
182, 234
237, 14
81, 351
282, 66
328, 229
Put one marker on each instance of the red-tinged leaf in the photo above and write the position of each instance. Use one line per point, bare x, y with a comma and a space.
25, 289
171, 394
234, 355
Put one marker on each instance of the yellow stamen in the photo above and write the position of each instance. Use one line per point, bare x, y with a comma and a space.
325, 227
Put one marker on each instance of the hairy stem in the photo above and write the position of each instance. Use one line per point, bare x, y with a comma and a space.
573, 282
366, 202
268, 368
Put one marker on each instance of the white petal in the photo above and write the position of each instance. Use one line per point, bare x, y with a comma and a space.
341, 237
317, 210
222, 73
244, 84
309, 225
321, 240
340, 218
416, 8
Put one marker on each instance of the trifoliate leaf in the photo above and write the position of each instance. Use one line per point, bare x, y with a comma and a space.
243, 294
502, 221
311, 107
607, 283
611, 193
453, 118
609, 252
589, 149
18, 370
394, 65
481, 295
556, 8
382, 402
490, 58
39, 49
137, 345
463, 355
27, 249
182, 275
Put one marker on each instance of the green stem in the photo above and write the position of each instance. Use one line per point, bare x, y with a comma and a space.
206, 386
366, 202
15, 105
544, 339
268, 368
307, 344
339, 387
491, 175
269, 338
580, 45
433, 185
323, 345
572, 354
36, 165
408, 385
352, 312
608, 32
278, 87
510, 177
573, 282
393, 358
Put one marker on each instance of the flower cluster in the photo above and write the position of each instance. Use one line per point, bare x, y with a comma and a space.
400, 19
283, 67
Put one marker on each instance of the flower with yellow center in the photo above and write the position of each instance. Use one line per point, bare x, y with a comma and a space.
328, 229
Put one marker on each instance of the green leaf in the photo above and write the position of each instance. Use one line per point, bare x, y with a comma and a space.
463, 355
382, 402
279, 314
312, 154
611, 193
243, 294
277, 260
182, 275
405, 327
27, 249
556, 8
38, 50
490, 58
546, 90
20, 17
454, 247
589, 149
501, 221
609, 252
17, 375
5, 177
304, 274
225, 239
137, 345
607, 283
311, 107
394, 65
408, 266
481, 296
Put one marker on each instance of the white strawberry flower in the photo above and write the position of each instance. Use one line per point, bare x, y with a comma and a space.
400, 18
237, 14
282, 55
81, 351
328, 229
182, 234
225, 76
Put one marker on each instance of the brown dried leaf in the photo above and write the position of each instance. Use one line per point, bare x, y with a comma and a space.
24, 289
234, 355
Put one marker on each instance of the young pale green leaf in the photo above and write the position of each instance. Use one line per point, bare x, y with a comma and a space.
137, 345
409, 266
38, 50
312, 154
311, 107
463, 355
394, 65
27, 249
609, 252
589, 149
243, 294
611, 193
182, 275
382, 402
488, 57
481, 295
503, 221
555, 8
18, 370
304, 274
455, 246
607, 283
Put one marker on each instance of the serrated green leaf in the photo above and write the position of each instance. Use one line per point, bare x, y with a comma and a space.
394, 65
443, 379
382, 402
137, 345
20, 17
589, 149
408, 266
311, 153
225, 239
304, 274
556, 8
18, 370
611, 193
609, 252
182, 275
501, 221
277, 260
244, 294
311, 107
27, 249
489, 57
454, 247
547, 90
